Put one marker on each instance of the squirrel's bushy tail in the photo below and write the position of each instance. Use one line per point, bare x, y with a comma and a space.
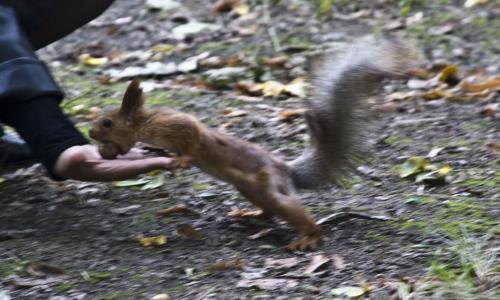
336, 115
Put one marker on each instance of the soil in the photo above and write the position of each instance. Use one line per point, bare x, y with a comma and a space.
75, 225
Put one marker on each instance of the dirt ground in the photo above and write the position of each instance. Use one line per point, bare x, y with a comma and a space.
88, 230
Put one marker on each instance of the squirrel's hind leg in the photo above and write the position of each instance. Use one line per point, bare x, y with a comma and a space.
275, 199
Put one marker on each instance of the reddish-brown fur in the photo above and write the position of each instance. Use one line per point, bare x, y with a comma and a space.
258, 175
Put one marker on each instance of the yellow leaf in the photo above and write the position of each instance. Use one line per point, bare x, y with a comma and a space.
88, 60
472, 3
162, 48
188, 231
297, 87
242, 9
270, 88
433, 94
447, 72
444, 170
152, 241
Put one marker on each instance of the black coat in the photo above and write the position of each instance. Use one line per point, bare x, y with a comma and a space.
29, 96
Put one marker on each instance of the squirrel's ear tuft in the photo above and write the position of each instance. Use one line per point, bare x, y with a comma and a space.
133, 99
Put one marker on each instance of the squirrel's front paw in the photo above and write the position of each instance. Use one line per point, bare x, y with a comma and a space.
309, 242
182, 162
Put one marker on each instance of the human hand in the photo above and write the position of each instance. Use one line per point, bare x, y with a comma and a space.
84, 163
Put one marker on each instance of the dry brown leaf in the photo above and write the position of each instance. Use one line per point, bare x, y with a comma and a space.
290, 114
490, 110
222, 6
243, 213
269, 284
230, 113
177, 209
43, 270
434, 94
281, 263
492, 84
397, 96
277, 62
260, 234
317, 262
494, 147
187, 231
225, 265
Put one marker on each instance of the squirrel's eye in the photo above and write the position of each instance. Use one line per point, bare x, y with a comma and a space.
107, 123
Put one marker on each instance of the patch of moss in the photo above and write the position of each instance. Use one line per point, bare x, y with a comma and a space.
397, 139
118, 295
65, 286
178, 289
10, 268
197, 186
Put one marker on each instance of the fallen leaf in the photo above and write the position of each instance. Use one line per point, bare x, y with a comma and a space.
230, 113
222, 6
490, 110
260, 234
242, 9
152, 241
397, 96
281, 263
269, 284
472, 3
162, 48
43, 270
317, 262
225, 265
290, 114
492, 84
270, 88
412, 166
243, 213
275, 62
449, 75
494, 147
187, 231
155, 182
177, 209
434, 152
434, 94
296, 87
88, 60
349, 291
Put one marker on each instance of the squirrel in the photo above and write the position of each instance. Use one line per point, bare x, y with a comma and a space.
340, 85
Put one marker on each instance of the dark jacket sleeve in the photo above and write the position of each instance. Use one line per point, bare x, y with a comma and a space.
29, 96
22, 75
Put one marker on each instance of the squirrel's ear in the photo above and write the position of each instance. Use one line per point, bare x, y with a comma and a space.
133, 99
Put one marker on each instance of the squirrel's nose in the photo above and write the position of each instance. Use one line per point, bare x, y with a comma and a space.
93, 133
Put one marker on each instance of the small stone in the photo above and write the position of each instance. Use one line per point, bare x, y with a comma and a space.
124, 210
161, 297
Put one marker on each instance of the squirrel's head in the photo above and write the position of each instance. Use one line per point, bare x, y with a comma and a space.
119, 126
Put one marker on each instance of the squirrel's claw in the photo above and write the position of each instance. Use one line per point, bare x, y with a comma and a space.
309, 242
